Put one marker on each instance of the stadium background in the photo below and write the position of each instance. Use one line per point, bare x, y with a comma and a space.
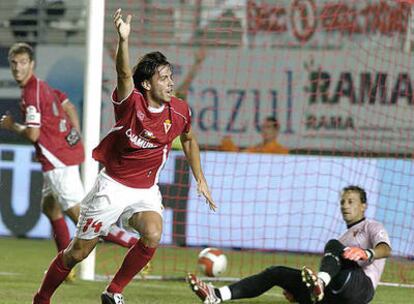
337, 74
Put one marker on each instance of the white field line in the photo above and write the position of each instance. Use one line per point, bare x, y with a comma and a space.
223, 279
5, 273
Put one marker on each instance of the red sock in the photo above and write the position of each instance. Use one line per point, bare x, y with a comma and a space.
137, 257
60, 233
121, 237
55, 275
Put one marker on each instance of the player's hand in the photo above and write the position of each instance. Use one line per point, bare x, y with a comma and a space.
289, 296
356, 254
6, 121
123, 27
202, 189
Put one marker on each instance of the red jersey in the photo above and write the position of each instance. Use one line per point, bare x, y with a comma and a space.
59, 144
136, 148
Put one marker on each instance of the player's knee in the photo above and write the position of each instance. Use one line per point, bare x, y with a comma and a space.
334, 246
72, 257
73, 213
75, 254
151, 237
51, 208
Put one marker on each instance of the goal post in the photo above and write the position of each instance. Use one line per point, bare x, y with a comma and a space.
92, 107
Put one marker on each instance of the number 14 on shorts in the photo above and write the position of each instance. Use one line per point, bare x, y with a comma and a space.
90, 223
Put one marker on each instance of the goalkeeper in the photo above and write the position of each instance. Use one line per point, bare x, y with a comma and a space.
349, 271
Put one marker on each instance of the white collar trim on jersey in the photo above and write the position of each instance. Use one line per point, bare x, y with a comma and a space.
156, 110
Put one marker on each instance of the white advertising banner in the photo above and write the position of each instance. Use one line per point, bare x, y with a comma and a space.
352, 100
269, 202
334, 100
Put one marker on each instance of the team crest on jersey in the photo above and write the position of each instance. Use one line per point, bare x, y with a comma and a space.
167, 125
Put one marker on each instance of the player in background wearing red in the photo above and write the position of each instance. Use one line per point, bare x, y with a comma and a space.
147, 119
51, 123
349, 272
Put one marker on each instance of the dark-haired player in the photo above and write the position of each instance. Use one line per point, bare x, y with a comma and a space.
349, 271
51, 123
147, 119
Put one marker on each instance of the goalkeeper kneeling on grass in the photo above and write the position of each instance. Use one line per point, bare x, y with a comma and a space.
349, 271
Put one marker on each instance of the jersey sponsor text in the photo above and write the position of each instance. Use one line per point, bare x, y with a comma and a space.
138, 141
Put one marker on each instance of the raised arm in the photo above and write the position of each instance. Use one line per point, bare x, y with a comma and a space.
125, 83
192, 153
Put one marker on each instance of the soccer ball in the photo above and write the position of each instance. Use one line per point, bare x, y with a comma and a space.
212, 262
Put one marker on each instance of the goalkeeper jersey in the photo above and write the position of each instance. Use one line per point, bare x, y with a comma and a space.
367, 234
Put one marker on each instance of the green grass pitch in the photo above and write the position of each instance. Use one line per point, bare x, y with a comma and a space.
23, 262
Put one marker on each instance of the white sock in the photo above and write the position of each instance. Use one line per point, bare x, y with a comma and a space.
325, 277
225, 293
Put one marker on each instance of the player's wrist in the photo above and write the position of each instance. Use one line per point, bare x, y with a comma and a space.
200, 178
123, 39
371, 254
17, 128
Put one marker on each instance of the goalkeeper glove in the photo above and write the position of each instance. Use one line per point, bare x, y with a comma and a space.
358, 254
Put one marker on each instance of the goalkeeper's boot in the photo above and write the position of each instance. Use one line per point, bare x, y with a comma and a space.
314, 284
112, 298
204, 291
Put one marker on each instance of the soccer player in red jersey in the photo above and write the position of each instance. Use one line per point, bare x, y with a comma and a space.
349, 272
147, 119
51, 123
